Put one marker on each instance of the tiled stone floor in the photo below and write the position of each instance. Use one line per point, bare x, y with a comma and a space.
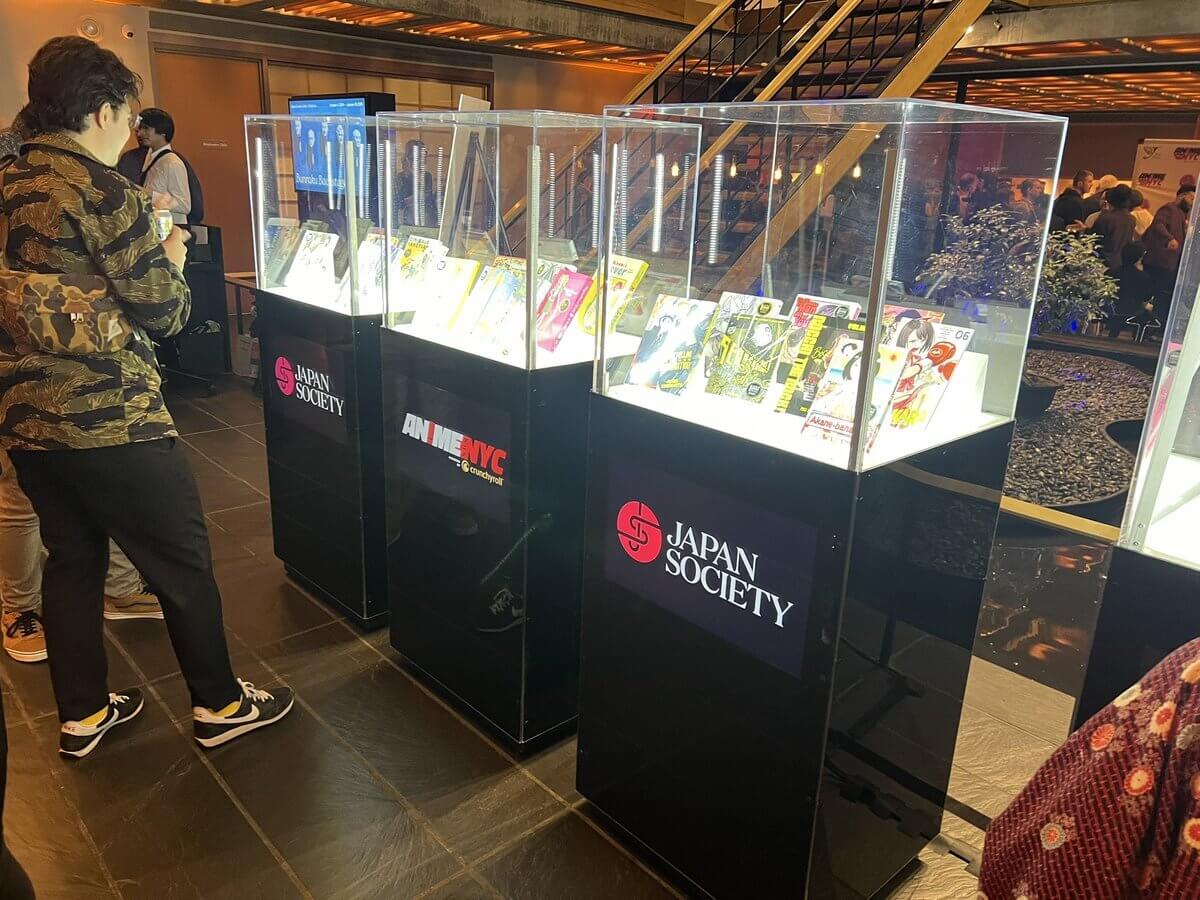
373, 788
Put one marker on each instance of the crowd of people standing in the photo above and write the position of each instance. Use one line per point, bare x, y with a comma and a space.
1141, 249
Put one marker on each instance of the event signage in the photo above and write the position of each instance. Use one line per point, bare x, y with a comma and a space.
1162, 166
309, 385
455, 447
734, 570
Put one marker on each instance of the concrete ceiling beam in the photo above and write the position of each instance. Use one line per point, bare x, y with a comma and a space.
1111, 20
561, 19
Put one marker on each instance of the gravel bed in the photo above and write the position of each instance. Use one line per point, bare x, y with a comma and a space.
1064, 456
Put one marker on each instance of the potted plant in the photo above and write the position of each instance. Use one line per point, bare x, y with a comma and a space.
992, 257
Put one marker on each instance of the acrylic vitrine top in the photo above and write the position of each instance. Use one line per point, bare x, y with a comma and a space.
1163, 514
315, 209
848, 281
495, 220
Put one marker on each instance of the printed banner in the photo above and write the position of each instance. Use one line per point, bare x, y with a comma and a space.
455, 447
732, 569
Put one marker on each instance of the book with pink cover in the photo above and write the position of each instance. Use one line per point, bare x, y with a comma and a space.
567, 294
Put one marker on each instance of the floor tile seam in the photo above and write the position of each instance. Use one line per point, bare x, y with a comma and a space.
464, 872
503, 753
61, 789
1013, 725
253, 649
179, 727
577, 810
499, 748
184, 436
509, 843
242, 428
377, 776
226, 509
160, 679
228, 472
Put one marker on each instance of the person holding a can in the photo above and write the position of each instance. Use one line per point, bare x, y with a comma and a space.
85, 424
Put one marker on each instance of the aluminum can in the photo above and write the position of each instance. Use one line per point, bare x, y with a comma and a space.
163, 222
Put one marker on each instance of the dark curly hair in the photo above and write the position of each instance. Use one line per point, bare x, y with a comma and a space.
69, 79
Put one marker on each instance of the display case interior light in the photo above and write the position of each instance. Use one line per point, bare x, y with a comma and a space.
317, 226
508, 268
794, 309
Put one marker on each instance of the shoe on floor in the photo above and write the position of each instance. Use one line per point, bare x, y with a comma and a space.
77, 739
24, 639
142, 605
257, 709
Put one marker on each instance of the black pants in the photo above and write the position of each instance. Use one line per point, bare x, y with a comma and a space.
1163, 281
144, 497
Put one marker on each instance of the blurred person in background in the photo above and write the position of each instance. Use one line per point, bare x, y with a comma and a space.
1164, 241
1115, 226
1094, 201
1068, 208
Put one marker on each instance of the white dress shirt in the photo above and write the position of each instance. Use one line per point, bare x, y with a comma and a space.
166, 179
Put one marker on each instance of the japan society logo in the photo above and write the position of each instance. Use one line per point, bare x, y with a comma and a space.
285, 376
638, 532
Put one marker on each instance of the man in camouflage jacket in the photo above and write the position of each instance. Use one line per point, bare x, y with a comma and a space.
81, 405
88, 398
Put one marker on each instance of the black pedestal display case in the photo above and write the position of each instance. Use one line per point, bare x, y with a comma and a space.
774, 651
485, 491
323, 415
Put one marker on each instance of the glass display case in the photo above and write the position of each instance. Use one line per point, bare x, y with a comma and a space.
495, 225
1163, 515
321, 273
817, 280
318, 238
796, 452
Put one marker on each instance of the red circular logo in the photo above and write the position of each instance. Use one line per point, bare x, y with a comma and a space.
285, 377
638, 531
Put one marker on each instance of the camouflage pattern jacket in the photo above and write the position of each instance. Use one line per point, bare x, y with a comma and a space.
86, 286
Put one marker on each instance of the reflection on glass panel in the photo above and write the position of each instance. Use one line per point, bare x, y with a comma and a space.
318, 238
1163, 517
807, 281
495, 218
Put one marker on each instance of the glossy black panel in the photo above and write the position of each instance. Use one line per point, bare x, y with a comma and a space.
465, 533
922, 539
703, 751
324, 452
709, 746
1148, 609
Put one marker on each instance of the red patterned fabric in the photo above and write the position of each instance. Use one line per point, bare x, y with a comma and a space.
1115, 812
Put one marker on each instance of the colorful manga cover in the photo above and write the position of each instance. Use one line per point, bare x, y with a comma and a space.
567, 294
804, 358
407, 276
625, 273
749, 354
925, 377
903, 326
832, 415
631, 318
804, 307
729, 306
671, 346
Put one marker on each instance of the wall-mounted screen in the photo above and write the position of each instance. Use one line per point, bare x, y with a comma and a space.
319, 146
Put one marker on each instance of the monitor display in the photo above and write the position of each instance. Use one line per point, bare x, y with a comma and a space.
319, 148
